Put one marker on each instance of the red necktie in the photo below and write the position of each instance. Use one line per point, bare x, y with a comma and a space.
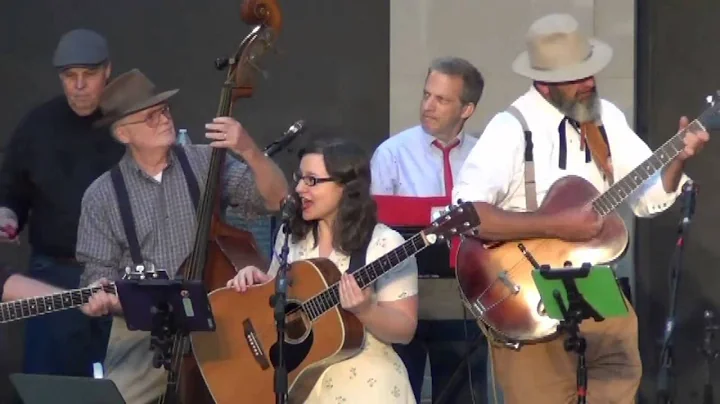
448, 176
447, 169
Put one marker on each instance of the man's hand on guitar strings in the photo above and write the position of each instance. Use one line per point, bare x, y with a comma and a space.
101, 303
352, 298
694, 140
247, 277
577, 224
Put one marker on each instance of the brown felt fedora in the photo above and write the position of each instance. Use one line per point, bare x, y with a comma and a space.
558, 52
128, 93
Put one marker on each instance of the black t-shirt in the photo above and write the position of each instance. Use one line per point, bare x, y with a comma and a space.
51, 159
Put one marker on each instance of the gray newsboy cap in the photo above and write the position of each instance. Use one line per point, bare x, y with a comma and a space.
80, 47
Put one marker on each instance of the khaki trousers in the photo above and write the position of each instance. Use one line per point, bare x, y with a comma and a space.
546, 374
128, 364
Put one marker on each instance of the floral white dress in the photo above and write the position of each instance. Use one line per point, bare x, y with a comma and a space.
376, 375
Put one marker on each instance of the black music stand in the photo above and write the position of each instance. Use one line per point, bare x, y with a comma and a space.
166, 308
43, 389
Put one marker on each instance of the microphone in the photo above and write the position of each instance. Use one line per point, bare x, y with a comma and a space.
290, 134
288, 207
689, 191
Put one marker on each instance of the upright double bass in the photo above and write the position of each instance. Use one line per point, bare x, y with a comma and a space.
220, 250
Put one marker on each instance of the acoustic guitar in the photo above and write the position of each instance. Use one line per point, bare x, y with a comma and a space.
495, 278
237, 360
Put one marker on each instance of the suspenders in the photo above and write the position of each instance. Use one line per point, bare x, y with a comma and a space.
530, 191
126, 210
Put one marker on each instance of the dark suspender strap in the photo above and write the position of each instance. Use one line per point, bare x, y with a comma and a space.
530, 191
562, 153
126, 214
358, 257
192, 183
604, 135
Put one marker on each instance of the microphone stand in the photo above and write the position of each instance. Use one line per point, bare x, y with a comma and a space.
709, 353
279, 301
665, 374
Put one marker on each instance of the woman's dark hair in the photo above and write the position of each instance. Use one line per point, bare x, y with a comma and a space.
349, 165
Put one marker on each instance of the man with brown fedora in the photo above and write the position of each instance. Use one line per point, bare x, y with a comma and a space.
143, 211
561, 127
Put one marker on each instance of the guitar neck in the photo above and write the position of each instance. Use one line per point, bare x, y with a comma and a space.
365, 276
606, 202
35, 306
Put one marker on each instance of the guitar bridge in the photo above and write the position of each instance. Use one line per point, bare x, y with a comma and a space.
505, 279
254, 345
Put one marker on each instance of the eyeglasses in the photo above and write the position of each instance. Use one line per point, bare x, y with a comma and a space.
153, 119
309, 180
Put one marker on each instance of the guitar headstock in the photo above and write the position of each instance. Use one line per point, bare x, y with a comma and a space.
710, 118
140, 273
455, 220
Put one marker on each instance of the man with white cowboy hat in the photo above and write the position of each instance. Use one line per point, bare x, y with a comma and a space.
143, 211
561, 127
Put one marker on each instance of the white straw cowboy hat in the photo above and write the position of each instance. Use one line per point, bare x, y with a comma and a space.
557, 51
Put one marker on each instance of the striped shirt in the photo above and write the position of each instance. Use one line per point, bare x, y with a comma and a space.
163, 212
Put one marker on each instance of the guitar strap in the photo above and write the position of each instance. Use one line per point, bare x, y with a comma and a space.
359, 256
530, 191
126, 208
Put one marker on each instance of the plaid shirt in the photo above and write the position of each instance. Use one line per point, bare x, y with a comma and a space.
163, 212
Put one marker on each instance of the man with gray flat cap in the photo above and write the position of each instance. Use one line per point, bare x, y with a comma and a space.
561, 127
51, 158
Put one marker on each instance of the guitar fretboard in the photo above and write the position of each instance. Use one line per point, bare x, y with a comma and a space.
24, 308
365, 276
606, 202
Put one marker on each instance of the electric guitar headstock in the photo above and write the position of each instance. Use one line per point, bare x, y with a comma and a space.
455, 220
710, 118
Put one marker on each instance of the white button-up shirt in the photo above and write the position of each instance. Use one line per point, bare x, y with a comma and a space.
407, 164
494, 171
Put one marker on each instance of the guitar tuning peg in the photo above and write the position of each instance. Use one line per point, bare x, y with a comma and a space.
459, 201
475, 232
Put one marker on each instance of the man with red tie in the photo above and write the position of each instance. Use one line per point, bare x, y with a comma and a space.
421, 162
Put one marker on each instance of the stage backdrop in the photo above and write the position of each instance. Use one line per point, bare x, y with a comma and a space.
331, 69
676, 71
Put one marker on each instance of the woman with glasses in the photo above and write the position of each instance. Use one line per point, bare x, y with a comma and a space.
336, 217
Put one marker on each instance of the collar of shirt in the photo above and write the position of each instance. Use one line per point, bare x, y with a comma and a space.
552, 114
548, 110
429, 139
129, 162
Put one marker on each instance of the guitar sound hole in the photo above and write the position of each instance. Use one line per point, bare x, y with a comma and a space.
298, 336
297, 325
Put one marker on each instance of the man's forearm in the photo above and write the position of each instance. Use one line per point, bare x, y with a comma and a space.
671, 175
269, 179
500, 225
22, 287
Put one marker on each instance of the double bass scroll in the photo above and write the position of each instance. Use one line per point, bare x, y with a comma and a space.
220, 249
